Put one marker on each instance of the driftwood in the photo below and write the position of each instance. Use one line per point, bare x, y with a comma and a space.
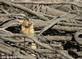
65, 28
58, 38
9, 24
46, 46
12, 37
53, 11
56, 41
13, 15
12, 50
49, 3
50, 38
60, 26
25, 9
49, 26
69, 24
53, 22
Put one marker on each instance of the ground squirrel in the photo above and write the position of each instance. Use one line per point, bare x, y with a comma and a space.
27, 28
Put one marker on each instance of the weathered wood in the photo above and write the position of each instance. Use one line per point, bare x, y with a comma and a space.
53, 11
48, 3
29, 56
41, 24
25, 9
5, 11
66, 28
62, 25
7, 15
58, 38
50, 38
69, 24
60, 52
2, 49
77, 37
9, 49
9, 24
55, 20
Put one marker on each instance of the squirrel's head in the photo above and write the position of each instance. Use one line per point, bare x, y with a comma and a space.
27, 23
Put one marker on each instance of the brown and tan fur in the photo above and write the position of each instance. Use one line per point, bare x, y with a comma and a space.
27, 28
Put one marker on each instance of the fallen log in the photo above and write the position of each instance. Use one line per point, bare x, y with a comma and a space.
62, 25
7, 15
53, 11
49, 3
5, 11
14, 40
43, 50
54, 21
7, 49
8, 36
41, 24
66, 28
58, 38
9, 24
59, 25
4, 50
29, 56
25, 9
48, 47
69, 24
